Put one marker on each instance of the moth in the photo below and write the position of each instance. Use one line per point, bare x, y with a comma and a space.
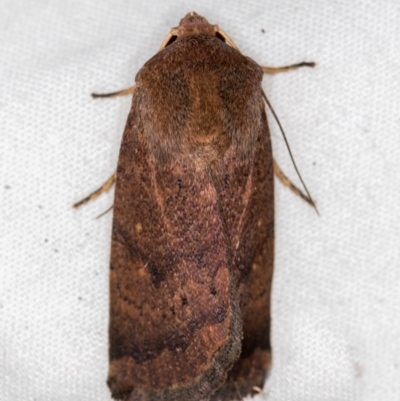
193, 228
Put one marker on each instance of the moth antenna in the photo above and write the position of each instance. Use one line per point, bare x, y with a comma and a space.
238, 391
290, 152
228, 39
105, 212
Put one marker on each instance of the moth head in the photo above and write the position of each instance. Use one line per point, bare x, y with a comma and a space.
192, 24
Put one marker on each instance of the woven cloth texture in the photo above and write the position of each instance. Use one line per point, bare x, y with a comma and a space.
336, 294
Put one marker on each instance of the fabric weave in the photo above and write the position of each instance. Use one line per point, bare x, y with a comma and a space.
336, 291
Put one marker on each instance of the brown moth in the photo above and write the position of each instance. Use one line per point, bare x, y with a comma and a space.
193, 230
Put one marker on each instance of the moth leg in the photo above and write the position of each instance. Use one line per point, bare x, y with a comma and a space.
123, 92
104, 188
277, 70
287, 183
257, 389
268, 70
111, 181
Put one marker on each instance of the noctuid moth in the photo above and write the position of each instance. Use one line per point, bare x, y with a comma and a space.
193, 228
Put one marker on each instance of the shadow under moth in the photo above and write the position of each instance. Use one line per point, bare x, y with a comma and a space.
193, 227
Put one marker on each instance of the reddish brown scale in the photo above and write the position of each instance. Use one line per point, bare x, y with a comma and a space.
193, 230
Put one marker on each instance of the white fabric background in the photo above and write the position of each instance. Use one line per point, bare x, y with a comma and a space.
336, 296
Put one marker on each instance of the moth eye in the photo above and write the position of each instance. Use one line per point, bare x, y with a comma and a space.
220, 37
172, 40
